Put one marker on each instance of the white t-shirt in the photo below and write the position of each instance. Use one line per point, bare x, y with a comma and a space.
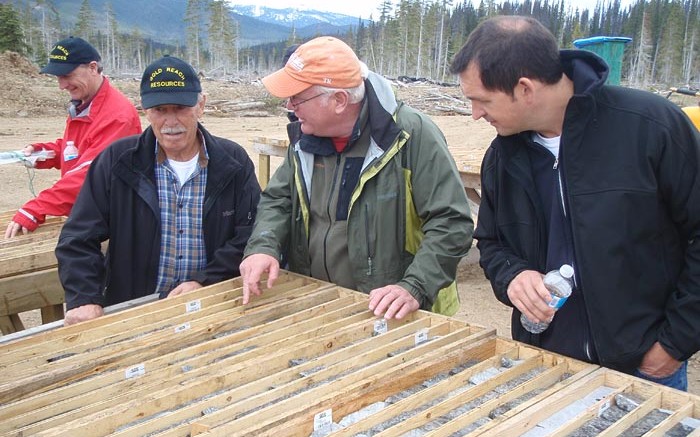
551, 144
184, 169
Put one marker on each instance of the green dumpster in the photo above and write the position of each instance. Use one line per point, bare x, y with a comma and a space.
611, 49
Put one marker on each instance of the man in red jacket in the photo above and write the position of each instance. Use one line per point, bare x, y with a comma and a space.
98, 115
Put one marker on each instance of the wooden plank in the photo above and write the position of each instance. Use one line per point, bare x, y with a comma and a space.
10, 323
672, 420
278, 143
266, 147
42, 233
7, 325
30, 291
263, 170
51, 313
279, 150
120, 322
59, 323
27, 258
6, 216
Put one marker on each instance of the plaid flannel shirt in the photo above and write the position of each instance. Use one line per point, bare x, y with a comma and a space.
182, 250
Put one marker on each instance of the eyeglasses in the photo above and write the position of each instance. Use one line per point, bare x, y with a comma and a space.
295, 105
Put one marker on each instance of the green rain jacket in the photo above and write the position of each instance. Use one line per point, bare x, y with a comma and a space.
408, 217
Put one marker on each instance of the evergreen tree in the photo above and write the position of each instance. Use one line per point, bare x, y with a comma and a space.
641, 64
670, 51
113, 31
85, 23
11, 35
223, 37
410, 37
195, 17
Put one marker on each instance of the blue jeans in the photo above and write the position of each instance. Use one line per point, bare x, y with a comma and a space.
678, 379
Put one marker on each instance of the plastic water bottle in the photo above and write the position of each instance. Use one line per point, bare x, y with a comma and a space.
70, 152
560, 285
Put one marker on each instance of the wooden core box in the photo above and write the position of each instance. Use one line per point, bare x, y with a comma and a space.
306, 358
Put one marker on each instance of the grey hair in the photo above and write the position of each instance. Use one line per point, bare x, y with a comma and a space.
356, 94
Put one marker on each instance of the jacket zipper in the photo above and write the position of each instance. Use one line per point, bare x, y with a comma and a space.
587, 343
561, 186
369, 243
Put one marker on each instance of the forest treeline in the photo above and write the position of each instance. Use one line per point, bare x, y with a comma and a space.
414, 38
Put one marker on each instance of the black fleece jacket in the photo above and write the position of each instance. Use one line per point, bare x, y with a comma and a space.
632, 189
119, 202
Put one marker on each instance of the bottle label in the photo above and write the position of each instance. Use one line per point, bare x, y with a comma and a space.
70, 152
557, 302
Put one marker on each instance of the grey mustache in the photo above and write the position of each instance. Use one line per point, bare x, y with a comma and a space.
172, 130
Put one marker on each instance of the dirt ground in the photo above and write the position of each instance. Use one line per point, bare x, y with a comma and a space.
33, 110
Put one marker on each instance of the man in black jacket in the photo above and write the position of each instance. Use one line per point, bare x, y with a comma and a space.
176, 203
602, 178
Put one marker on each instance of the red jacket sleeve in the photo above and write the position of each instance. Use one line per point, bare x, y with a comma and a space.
58, 199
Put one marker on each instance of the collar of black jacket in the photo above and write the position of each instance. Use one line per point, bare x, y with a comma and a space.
587, 70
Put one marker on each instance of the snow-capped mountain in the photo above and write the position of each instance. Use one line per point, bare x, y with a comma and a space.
297, 17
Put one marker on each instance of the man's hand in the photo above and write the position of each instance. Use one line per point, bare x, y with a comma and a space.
252, 269
393, 301
28, 150
83, 314
527, 292
15, 228
657, 363
183, 288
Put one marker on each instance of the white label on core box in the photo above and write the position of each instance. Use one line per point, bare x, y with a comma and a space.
380, 327
134, 371
180, 328
193, 305
421, 336
324, 419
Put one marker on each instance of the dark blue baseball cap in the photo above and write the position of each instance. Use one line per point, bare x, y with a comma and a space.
169, 81
69, 53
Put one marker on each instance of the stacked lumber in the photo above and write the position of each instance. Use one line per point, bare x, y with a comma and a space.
31, 252
28, 275
305, 358
50, 225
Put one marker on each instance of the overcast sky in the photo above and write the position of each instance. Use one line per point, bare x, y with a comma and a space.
363, 8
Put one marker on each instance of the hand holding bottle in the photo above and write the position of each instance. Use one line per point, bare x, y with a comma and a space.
559, 283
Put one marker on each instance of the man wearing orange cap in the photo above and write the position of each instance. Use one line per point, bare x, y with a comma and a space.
368, 196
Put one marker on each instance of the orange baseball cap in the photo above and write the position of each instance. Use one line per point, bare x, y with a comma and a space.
324, 61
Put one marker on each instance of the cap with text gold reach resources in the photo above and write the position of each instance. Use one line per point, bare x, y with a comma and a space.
169, 81
68, 54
